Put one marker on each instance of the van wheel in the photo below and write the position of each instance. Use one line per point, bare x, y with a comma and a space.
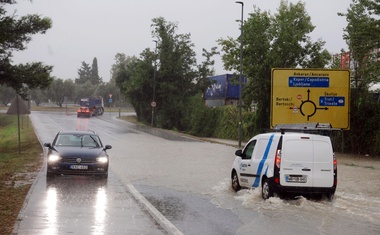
266, 190
235, 182
330, 197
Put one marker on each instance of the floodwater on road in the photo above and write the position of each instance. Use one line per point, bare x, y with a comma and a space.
188, 183
355, 208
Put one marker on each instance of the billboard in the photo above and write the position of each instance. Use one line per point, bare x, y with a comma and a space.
301, 96
224, 86
217, 90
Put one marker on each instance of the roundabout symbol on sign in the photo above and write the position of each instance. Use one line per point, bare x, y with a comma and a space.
312, 103
308, 101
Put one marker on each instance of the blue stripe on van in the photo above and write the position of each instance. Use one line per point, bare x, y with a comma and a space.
266, 171
261, 165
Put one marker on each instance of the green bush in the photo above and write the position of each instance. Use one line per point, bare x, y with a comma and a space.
219, 122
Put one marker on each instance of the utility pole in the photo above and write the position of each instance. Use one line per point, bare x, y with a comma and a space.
241, 73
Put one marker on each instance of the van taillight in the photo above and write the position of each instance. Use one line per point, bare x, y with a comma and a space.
335, 163
278, 158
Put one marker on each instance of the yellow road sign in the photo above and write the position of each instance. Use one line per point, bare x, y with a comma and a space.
310, 96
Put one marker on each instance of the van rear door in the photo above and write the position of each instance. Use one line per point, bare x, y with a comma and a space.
307, 161
297, 160
323, 162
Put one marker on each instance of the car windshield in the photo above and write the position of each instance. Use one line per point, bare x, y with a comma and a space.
78, 140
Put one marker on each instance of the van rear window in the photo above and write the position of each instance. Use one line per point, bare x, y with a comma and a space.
297, 150
302, 150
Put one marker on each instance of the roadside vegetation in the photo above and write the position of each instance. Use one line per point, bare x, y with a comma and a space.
171, 78
170, 75
17, 170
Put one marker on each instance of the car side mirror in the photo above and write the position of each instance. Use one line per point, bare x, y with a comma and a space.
239, 153
48, 145
108, 147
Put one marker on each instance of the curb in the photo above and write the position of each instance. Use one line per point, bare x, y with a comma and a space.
21, 215
157, 216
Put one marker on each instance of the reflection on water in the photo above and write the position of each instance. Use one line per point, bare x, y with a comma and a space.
75, 201
51, 211
100, 211
82, 123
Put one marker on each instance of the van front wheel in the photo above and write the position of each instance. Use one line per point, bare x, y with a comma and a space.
235, 182
266, 190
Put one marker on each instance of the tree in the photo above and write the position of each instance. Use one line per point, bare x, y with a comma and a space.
121, 73
38, 96
61, 90
362, 36
94, 73
177, 72
105, 89
84, 74
278, 41
122, 69
15, 34
88, 73
84, 91
177, 78
6, 94
137, 84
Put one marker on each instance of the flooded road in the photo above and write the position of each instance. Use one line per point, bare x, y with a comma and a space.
80, 204
83, 205
188, 183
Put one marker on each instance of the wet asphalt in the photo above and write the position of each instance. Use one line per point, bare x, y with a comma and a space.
83, 205
141, 196
74, 204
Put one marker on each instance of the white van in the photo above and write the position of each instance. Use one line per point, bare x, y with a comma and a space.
281, 163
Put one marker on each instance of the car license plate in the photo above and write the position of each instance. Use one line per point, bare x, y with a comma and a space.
79, 167
296, 178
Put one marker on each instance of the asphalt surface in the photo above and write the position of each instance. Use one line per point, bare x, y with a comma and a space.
171, 183
86, 205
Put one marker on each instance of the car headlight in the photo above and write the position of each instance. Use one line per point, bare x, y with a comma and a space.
54, 157
102, 159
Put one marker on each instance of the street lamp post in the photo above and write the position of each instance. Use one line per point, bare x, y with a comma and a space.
241, 71
153, 104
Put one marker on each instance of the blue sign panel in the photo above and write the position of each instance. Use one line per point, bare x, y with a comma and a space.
309, 82
110, 100
331, 101
224, 86
218, 89
233, 86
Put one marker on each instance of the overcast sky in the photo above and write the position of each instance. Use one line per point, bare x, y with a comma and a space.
84, 29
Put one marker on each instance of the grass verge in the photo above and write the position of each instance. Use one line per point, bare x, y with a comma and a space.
18, 166
132, 119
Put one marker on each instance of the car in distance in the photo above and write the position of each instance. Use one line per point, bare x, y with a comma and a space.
78, 153
83, 112
286, 164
